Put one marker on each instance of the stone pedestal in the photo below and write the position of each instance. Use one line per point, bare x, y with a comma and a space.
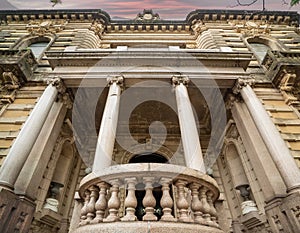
16, 212
248, 206
51, 204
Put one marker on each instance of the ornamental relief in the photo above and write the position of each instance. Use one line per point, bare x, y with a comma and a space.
250, 28
45, 27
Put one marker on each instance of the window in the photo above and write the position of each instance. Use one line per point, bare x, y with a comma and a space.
259, 50
38, 48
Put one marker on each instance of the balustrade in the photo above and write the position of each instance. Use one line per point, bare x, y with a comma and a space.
194, 203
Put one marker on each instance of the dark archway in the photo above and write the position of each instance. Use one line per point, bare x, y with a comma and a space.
148, 158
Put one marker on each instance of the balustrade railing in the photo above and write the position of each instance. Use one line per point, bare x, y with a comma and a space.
186, 195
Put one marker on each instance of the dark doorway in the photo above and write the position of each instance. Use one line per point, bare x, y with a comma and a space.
148, 158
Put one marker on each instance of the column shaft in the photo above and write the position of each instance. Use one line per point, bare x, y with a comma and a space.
21, 148
272, 138
189, 134
107, 132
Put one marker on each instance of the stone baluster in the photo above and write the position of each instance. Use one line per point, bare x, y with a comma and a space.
90, 208
213, 211
130, 200
205, 207
182, 203
196, 203
166, 201
113, 203
84, 212
149, 201
101, 203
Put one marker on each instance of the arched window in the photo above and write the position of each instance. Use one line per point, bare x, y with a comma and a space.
38, 45
260, 45
260, 50
38, 48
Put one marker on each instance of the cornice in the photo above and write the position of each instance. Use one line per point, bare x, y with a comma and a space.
281, 17
73, 15
131, 58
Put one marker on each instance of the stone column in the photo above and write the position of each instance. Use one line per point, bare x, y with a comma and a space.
24, 142
189, 134
107, 132
278, 149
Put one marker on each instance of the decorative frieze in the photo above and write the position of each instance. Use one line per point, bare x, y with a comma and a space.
41, 28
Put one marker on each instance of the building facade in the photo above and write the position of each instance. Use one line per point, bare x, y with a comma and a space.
149, 125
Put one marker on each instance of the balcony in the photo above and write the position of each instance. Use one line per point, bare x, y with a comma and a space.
277, 61
19, 62
148, 197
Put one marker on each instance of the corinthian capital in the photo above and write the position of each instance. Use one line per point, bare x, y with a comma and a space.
176, 80
240, 83
118, 79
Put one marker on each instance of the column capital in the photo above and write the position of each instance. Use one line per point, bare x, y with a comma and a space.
242, 82
58, 83
118, 79
176, 80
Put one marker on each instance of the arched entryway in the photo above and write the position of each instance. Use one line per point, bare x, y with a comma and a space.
148, 157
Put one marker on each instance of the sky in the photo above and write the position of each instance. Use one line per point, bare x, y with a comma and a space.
167, 9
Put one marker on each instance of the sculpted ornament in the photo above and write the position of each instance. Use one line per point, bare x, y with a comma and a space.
176, 80
198, 26
240, 83
45, 27
118, 79
97, 28
63, 95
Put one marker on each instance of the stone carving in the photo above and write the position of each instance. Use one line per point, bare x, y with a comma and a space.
63, 94
250, 28
240, 83
147, 15
289, 87
118, 79
198, 26
45, 27
288, 80
180, 79
9, 83
97, 28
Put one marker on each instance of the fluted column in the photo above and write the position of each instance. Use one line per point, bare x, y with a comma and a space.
278, 149
24, 142
189, 134
107, 132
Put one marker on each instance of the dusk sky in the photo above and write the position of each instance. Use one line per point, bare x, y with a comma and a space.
167, 9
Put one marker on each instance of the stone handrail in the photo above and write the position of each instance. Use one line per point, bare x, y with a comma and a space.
192, 200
